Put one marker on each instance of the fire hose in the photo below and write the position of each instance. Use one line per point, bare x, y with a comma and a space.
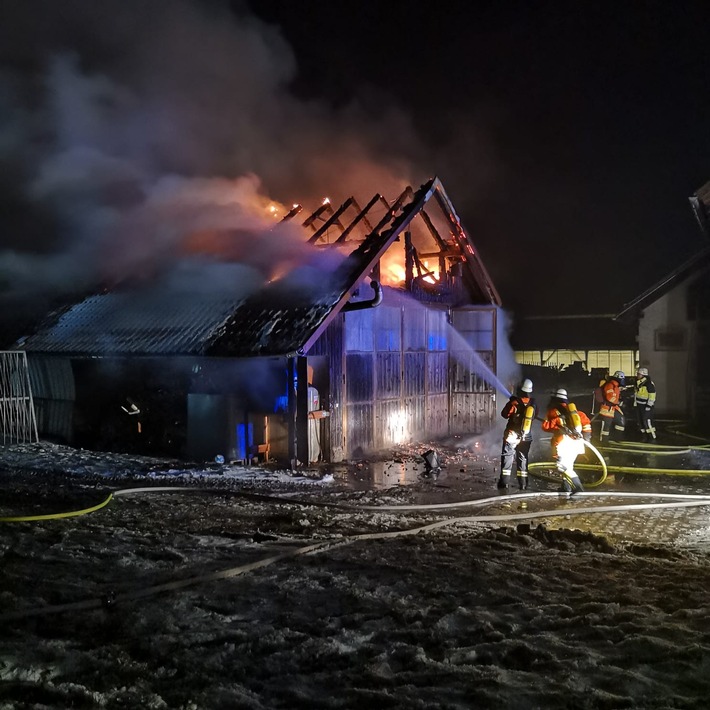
556, 479
629, 448
111, 599
533, 467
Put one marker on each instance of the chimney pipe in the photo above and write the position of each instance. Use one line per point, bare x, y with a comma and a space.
362, 305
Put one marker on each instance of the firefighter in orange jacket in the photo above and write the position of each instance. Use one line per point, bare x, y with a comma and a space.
569, 428
520, 412
610, 412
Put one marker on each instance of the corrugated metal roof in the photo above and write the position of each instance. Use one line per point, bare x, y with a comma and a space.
132, 323
280, 319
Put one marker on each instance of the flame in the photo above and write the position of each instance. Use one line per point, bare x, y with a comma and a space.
392, 271
392, 274
432, 278
326, 200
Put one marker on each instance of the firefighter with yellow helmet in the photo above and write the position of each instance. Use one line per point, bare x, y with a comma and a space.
645, 402
520, 412
569, 428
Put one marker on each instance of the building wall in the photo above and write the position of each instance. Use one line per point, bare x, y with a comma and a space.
53, 391
666, 338
329, 382
473, 369
409, 375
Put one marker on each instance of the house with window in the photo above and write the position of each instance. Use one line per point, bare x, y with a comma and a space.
673, 322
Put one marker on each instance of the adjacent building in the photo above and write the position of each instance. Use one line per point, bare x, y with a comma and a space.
673, 323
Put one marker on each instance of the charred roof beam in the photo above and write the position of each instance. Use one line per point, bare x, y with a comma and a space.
292, 213
461, 237
324, 208
362, 261
433, 231
362, 217
333, 220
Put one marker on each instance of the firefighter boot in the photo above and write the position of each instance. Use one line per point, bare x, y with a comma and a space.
523, 482
504, 480
577, 486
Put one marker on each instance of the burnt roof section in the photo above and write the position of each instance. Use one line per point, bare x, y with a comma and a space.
573, 332
283, 318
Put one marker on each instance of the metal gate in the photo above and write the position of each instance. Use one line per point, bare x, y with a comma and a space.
17, 412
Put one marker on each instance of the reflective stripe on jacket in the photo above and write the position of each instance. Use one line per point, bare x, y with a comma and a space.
645, 394
611, 391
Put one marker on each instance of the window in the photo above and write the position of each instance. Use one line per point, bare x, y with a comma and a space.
670, 339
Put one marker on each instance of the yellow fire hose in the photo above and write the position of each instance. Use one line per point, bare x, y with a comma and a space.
641, 449
556, 479
533, 467
56, 516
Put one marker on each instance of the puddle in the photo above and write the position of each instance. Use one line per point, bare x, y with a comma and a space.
380, 475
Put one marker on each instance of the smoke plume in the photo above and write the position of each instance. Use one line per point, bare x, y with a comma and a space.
137, 134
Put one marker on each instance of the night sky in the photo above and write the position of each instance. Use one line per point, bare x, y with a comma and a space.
569, 135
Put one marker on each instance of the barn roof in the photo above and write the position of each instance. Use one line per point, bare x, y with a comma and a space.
283, 318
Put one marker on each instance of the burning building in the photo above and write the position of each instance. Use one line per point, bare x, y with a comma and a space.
387, 335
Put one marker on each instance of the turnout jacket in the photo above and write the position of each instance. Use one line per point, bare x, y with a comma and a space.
645, 392
514, 412
611, 392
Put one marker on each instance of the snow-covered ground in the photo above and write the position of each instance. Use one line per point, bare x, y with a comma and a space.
365, 586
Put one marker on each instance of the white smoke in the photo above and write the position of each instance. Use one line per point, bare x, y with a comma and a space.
127, 125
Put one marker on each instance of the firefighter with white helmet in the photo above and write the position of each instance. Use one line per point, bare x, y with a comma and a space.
520, 412
645, 401
613, 423
569, 427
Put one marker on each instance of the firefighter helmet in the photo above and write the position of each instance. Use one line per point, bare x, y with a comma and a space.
561, 394
642, 372
527, 386
619, 375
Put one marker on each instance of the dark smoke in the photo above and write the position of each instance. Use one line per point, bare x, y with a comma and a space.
126, 126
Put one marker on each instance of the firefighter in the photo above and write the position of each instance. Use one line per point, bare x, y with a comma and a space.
597, 396
569, 428
610, 412
645, 401
520, 411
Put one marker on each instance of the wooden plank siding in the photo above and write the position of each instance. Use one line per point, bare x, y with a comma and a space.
408, 378
330, 345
